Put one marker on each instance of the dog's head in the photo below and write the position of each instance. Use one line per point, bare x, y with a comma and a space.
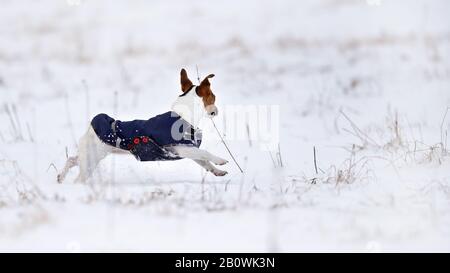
203, 91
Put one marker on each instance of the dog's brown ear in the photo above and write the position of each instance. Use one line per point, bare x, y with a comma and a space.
185, 81
206, 82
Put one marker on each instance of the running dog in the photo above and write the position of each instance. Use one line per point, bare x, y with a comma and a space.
170, 136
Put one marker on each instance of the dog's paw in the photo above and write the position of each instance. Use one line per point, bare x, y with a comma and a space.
219, 172
220, 161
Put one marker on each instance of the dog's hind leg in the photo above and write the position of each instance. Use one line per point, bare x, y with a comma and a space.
86, 170
90, 152
71, 162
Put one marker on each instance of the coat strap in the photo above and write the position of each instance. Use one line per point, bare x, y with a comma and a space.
118, 139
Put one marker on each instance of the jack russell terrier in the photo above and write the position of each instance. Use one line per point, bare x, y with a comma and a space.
170, 136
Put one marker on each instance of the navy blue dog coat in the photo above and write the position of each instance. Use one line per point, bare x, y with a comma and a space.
147, 139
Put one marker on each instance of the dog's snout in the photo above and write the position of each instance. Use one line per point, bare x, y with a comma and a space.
212, 110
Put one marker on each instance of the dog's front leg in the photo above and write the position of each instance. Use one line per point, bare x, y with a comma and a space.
198, 154
210, 167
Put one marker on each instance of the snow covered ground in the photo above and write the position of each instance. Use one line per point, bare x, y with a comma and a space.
367, 83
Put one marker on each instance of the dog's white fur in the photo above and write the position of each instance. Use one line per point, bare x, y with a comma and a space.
91, 150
